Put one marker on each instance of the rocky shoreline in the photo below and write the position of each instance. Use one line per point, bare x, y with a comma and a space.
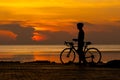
46, 70
112, 63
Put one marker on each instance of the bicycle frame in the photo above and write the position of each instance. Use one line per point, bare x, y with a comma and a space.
86, 46
72, 47
90, 53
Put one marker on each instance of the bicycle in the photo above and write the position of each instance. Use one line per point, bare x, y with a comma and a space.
92, 55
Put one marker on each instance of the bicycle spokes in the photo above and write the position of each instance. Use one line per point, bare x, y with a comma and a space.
67, 56
69, 52
93, 55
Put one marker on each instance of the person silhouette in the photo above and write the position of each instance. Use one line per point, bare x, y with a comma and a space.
80, 43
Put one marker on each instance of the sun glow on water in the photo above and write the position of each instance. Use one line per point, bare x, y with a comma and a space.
28, 53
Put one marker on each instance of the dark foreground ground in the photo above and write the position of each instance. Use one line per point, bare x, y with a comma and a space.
50, 71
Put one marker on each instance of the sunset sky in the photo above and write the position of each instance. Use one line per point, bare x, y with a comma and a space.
54, 21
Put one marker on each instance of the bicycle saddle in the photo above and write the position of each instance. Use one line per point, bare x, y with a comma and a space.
88, 43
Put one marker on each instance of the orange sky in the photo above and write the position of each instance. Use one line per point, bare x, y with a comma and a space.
61, 15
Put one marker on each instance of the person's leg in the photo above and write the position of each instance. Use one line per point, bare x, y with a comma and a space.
81, 53
80, 59
81, 56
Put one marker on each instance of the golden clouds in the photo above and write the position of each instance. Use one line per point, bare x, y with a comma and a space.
51, 16
32, 3
7, 35
58, 9
58, 3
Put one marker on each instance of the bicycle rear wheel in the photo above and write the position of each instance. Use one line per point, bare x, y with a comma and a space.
93, 55
67, 55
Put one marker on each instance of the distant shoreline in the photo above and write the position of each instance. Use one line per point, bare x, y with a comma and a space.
112, 63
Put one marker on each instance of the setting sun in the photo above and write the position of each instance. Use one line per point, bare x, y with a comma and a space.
37, 38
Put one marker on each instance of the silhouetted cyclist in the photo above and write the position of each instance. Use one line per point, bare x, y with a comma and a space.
80, 42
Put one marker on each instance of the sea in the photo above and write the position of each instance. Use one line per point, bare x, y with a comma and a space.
28, 53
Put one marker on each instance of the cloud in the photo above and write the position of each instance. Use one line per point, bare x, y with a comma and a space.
118, 21
6, 36
89, 24
108, 35
24, 34
57, 37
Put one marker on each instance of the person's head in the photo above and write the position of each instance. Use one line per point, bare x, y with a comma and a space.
80, 25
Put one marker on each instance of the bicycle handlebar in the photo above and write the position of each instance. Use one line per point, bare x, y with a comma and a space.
68, 43
71, 43
75, 40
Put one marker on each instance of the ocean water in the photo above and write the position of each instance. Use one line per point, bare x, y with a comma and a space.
27, 53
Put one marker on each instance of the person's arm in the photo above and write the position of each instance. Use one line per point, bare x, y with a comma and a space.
75, 40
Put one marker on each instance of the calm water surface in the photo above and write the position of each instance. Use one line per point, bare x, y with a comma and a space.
26, 53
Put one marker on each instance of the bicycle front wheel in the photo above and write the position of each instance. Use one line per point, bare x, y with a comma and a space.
67, 55
93, 55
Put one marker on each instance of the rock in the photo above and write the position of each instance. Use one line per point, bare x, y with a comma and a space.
113, 64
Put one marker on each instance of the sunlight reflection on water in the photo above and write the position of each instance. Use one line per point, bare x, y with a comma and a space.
25, 53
